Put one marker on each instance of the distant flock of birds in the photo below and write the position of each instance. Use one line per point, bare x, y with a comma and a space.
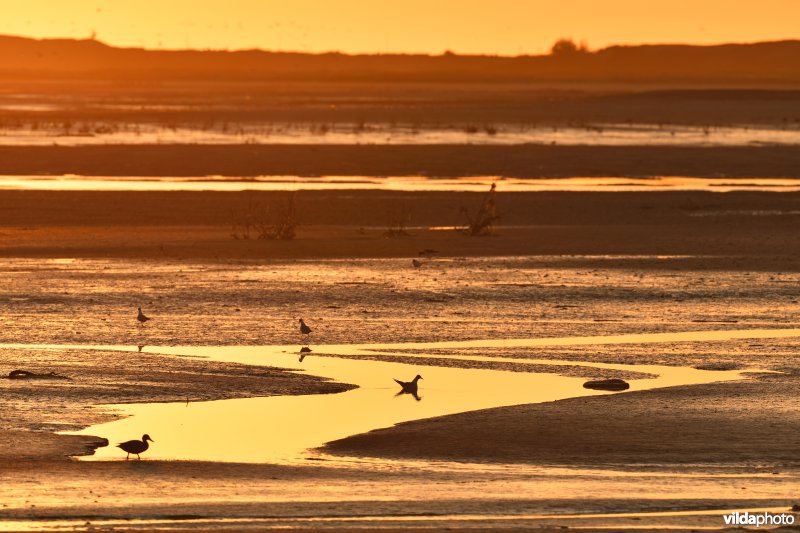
137, 447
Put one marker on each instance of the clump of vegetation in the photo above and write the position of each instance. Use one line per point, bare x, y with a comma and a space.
482, 222
397, 222
567, 47
265, 221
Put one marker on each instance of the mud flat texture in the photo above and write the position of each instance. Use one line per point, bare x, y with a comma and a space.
524, 161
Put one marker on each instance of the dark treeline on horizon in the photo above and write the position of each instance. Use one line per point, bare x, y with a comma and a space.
770, 63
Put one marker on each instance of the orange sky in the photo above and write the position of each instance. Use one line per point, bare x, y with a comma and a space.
430, 26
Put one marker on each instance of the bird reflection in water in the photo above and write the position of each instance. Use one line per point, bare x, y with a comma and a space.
409, 387
304, 351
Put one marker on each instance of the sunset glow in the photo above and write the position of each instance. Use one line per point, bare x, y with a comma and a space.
420, 26
399, 265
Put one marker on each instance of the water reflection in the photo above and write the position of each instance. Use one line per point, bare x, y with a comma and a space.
392, 183
613, 134
282, 429
304, 351
409, 387
286, 429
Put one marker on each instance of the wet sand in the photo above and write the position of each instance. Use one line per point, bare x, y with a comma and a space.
748, 424
562, 265
529, 160
208, 494
32, 409
228, 105
620, 263
742, 229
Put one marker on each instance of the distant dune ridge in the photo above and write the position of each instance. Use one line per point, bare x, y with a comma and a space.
731, 64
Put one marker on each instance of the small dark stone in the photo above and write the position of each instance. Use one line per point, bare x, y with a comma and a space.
717, 366
24, 374
607, 384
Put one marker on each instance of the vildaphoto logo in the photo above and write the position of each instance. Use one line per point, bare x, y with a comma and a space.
758, 519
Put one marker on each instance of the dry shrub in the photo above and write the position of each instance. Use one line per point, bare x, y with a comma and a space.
266, 221
397, 222
483, 220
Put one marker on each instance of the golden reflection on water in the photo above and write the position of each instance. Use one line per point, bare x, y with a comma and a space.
392, 183
282, 429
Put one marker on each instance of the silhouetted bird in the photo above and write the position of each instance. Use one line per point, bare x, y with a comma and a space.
135, 446
304, 330
409, 387
141, 317
416, 263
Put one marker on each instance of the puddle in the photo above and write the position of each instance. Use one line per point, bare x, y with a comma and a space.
287, 429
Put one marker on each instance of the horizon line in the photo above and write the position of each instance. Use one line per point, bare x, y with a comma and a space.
444, 53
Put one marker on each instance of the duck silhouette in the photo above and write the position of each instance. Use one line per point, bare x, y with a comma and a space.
135, 446
409, 387
141, 317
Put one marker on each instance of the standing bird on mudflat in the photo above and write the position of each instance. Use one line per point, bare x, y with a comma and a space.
416, 263
141, 317
304, 329
135, 446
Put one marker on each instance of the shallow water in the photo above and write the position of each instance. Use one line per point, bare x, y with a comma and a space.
283, 429
286, 429
388, 134
397, 183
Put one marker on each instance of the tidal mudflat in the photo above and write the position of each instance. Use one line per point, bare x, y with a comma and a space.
503, 345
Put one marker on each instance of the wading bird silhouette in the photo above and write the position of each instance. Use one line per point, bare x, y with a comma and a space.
304, 329
135, 446
141, 317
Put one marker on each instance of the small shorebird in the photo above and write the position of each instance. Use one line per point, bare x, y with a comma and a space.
416, 263
304, 329
135, 446
409, 387
141, 317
